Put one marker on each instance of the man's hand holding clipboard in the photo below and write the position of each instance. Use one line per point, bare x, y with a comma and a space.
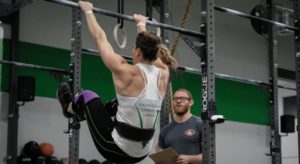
166, 156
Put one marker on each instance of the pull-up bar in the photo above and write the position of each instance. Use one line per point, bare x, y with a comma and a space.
130, 18
244, 15
38, 67
199, 72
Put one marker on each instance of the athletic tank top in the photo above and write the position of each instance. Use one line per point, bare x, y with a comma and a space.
141, 111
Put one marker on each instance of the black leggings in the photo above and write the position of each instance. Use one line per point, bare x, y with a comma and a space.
101, 125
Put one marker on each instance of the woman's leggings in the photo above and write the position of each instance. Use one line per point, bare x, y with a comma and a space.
101, 125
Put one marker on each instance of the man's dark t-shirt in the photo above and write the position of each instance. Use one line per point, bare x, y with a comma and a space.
184, 138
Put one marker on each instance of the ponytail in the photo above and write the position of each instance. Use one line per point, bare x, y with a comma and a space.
165, 56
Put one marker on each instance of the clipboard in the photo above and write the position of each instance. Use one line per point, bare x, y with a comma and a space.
166, 156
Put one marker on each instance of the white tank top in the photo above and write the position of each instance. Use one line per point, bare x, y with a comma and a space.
141, 111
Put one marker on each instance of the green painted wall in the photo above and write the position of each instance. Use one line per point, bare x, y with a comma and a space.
236, 101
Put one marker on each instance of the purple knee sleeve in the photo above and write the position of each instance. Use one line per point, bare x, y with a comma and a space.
87, 95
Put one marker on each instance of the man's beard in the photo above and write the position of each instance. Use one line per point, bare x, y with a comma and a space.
181, 113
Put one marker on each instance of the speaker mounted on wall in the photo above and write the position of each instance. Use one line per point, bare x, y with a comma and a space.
287, 123
25, 88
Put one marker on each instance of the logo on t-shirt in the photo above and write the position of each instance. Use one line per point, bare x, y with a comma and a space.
189, 132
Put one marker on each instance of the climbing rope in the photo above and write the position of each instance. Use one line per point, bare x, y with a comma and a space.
184, 19
173, 49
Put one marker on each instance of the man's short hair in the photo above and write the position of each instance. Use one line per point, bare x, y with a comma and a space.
186, 91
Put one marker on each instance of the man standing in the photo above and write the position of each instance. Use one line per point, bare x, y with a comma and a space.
183, 134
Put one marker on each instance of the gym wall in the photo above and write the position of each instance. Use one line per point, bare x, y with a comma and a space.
289, 152
239, 51
3, 122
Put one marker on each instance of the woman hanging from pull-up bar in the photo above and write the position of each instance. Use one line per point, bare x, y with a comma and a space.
140, 88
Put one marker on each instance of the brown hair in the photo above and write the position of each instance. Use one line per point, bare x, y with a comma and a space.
148, 43
186, 91
165, 56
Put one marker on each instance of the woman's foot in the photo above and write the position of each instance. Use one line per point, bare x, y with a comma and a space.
65, 97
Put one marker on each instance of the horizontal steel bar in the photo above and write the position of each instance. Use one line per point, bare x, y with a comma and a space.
234, 78
196, 71
93, 51
175, 28
244, 15
282, 8
130, 18
50, 69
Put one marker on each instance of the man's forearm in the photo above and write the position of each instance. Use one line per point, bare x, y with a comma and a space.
195, 159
